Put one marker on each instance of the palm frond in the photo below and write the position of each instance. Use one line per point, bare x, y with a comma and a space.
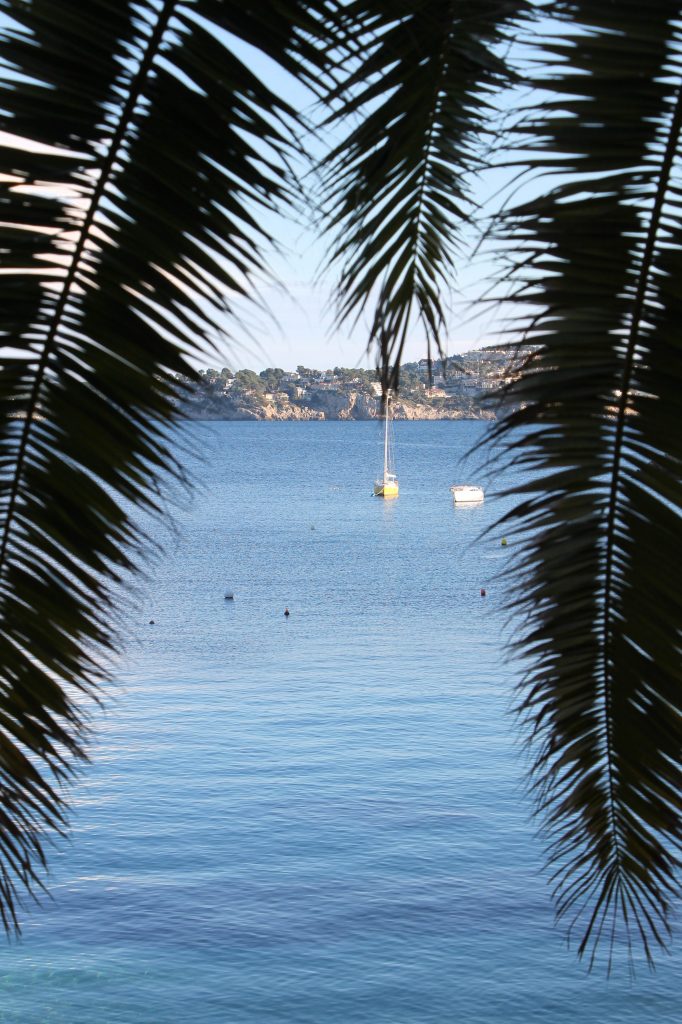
396, 195
595, 417
126, 233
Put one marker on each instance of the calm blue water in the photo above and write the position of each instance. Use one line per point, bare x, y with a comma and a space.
318, 819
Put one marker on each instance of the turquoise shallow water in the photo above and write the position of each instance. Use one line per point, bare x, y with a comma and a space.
320, 819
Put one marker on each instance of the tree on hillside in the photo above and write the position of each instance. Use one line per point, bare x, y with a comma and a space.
133, 220
250, 381
304, 371
271, 378
409, 377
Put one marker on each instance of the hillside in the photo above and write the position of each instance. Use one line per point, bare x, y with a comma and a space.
465, 388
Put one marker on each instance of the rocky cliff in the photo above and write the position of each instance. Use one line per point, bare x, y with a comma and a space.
322, 405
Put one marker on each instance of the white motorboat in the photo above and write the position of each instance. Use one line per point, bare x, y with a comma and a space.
466, 493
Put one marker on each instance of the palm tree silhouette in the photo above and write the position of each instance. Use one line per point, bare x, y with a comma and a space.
146, 154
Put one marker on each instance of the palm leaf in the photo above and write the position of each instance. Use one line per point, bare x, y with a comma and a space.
414, 105
123, 243
125, 235
598, 407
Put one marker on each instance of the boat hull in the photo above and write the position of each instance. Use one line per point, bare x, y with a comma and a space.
385, 490
466, 494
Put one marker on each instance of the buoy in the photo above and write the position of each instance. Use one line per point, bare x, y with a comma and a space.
482, 591
504, 542
312, 527
286, 612
229, 596
151, 622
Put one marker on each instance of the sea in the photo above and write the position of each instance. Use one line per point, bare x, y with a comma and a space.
318, 818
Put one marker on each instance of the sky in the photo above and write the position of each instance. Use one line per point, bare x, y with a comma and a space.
296, 324
293, 322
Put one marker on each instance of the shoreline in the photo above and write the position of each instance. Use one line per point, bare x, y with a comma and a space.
250, 417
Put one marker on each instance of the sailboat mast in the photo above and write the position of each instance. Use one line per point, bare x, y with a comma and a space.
387, 487
386, 436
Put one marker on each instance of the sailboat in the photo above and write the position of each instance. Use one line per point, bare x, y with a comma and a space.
387, 485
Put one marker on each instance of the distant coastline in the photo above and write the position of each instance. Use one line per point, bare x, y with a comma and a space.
464, 388
335, 406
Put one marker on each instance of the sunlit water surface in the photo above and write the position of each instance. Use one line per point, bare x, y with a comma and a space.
321, 818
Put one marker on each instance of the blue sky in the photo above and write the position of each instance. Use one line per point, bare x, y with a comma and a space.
297, 324
294, 322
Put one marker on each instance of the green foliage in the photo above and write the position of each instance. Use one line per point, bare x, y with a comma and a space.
409, 377
250, 380
304, 371
271, 378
